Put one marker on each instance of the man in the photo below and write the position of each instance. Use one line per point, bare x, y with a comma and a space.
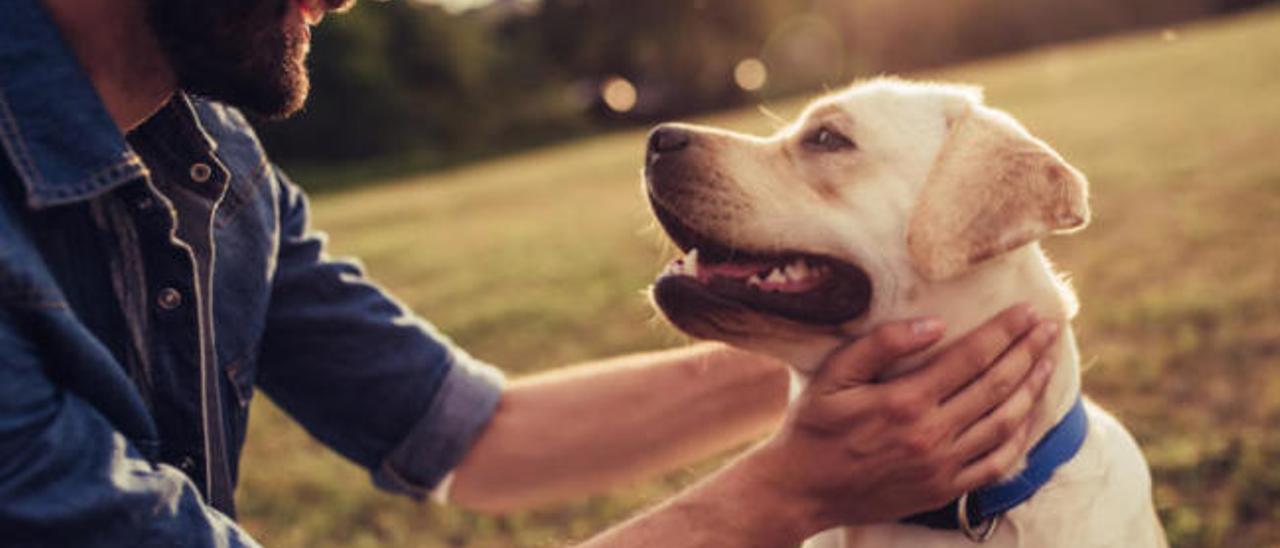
155, 269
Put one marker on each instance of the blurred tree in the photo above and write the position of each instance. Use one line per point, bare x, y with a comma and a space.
356, 102
394, 79
679, 53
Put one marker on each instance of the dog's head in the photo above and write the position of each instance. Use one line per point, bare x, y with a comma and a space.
797, 241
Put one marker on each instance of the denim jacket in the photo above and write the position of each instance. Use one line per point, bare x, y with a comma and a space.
148, 285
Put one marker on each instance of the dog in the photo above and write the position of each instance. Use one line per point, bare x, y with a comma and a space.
890, 200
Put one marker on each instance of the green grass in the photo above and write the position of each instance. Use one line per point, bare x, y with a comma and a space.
539, 260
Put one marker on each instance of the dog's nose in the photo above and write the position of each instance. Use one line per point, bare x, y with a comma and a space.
667, 138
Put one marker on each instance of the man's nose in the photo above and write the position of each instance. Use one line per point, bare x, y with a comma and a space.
667, 138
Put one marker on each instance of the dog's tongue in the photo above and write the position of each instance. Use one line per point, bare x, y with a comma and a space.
734, 269
788, 276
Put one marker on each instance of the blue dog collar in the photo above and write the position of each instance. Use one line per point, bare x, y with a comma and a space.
987, 504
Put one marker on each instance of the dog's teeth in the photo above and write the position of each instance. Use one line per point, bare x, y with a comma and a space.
776, 276
691, 263
685, 266
797, 271
754, 280
682, 267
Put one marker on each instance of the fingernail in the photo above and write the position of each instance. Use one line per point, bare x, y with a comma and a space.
1043, 369
1027, 313
926, 327
1048, 330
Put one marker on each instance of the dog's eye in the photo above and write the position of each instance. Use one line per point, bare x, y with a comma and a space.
826, 139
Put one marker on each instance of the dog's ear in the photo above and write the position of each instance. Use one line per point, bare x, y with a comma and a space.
992, 189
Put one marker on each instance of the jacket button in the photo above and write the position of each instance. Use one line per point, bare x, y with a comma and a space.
200, 172
169, 298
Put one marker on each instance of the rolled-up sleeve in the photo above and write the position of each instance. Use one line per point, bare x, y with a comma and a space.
461, 408
361, 372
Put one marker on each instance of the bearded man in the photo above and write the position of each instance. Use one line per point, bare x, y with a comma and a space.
156, 269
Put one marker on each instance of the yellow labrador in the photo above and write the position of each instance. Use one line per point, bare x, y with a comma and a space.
887, 201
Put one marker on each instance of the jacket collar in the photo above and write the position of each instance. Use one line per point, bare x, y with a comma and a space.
55, 130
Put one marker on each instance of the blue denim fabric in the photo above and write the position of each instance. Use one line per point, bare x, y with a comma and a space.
148, 286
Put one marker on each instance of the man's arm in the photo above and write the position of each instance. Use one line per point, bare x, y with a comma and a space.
360, 371
885, 450
583, 429
376, 383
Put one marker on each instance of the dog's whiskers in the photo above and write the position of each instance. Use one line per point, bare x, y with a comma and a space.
778, 121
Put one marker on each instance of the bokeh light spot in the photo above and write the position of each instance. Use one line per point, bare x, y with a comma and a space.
750, 74
618, 94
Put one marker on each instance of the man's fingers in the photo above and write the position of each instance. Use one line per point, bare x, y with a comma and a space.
1005, 421
970, 356
992, 466
1002, 380
863, 360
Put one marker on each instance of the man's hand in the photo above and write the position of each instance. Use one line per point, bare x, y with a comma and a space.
856, 451
853, 450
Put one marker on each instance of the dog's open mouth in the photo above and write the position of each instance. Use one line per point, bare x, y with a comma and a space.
798, 286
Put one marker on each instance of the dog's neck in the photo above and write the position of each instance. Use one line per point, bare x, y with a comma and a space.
964, 303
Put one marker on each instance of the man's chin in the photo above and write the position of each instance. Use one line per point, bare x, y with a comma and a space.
285, 102
253, 60
268, 100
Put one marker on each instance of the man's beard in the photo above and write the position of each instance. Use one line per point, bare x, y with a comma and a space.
235, 51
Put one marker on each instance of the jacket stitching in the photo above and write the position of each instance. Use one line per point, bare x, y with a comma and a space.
33, 179
100, 182
16, 145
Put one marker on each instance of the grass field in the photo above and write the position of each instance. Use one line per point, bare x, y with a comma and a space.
539, 260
